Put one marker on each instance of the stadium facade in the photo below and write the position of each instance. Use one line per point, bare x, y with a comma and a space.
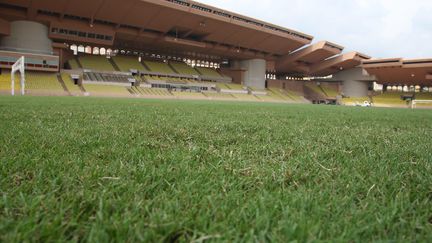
187, 45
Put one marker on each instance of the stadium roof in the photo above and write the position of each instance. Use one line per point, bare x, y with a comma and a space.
301, 60
400, 71
182, 27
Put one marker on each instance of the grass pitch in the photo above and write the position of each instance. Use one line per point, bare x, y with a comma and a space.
99, 170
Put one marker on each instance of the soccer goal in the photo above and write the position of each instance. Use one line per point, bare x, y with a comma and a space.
19, 66
415, 102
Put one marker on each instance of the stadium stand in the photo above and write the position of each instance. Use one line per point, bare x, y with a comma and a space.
43, 83
107, 77
389, 99
73, 64
268, 98
312, 86
188, 95
183, 68
355, 101
99, 63
219, 96
176, 80
423, 96
158, 67
107, 90
209, 72
155, 92
245, 97
329, 91
222, 86
287, 95
235, 86
279, 94
5, 83
126, 63
71, 87
229, 86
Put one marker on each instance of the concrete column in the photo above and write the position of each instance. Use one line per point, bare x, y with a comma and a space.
255, 72
353, 88
355, 82
27, 36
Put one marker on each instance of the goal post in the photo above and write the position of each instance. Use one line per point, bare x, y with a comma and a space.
415, 102
19, 66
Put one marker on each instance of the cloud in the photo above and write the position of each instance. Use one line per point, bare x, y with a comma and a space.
379, 28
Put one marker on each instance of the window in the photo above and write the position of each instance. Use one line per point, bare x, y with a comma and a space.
81, 49
102, 51
72, 32
88, 50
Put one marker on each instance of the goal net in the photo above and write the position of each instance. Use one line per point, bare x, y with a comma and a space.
18, 67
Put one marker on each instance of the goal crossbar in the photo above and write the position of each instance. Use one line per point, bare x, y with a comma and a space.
415, 102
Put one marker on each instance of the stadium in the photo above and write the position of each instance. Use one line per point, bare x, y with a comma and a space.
190, 50
173, 120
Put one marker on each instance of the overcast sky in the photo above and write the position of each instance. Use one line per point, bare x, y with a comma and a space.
378, 28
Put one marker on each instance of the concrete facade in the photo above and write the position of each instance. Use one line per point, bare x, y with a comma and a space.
27, 36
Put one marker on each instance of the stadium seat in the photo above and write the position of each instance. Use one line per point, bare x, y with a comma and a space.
159, 67
423, 96
245, 97
126, 63
286, 95
234, 86
72, 88
107, 77
188, 95
209, 72
183, 68
355, 101
73, 64
106, 90
315, 88
44, 83
278, 94
330, 91
268, 98
389, 98
99, 63
5, 82
219, 96
154, 92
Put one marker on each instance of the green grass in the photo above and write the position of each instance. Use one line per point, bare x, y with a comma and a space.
99, 170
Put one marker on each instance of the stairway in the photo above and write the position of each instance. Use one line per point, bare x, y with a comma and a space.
78, 62
322, 90
114, 64
61, 81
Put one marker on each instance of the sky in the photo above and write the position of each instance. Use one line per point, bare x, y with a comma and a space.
378, 28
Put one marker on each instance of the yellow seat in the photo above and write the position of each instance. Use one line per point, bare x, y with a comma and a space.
100, 63
159, 67
125, 63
